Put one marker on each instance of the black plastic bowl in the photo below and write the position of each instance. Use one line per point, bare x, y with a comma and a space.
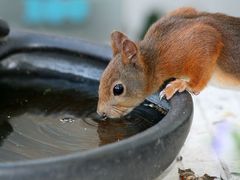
142, 156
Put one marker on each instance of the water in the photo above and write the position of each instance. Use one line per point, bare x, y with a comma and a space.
42, 122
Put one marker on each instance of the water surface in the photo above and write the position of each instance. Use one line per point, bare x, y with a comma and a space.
44, 121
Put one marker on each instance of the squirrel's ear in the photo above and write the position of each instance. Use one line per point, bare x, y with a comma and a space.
116, 41
129, 51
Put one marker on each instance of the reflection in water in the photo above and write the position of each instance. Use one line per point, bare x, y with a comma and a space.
36, 123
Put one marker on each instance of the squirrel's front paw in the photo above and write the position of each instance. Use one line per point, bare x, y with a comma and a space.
177, 85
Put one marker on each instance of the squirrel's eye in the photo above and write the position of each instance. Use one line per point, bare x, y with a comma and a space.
118, 89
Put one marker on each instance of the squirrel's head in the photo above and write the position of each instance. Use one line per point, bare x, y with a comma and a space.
123, 83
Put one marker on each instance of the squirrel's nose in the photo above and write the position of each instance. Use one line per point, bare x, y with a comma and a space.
103, 115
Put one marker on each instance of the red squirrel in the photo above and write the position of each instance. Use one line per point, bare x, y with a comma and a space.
192, 47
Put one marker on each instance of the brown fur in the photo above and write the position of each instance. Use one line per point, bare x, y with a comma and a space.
183, 44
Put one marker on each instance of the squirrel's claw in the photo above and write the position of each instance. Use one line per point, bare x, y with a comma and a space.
177, 85
162, 95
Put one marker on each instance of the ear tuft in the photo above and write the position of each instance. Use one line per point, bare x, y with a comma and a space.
116, 41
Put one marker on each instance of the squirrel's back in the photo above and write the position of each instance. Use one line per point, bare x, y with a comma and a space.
228, 63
